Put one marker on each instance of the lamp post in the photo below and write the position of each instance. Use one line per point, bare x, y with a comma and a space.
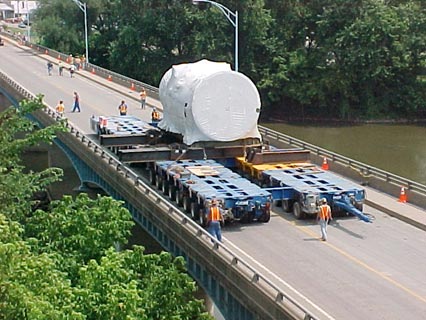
83, 8
28, 22
232, 18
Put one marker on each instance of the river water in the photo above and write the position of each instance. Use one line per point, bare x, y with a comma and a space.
399, 149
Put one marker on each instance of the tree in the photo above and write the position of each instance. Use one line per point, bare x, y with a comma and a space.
80, 229
17, 133
60, 263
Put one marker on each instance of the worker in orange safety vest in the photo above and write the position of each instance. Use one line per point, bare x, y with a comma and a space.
122, 108
324, 215
155, 115
214, 219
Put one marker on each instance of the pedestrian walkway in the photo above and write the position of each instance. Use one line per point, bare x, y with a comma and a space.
403, 211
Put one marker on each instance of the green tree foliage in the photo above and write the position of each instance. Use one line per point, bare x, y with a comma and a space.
17, 133
336, 58
61, 263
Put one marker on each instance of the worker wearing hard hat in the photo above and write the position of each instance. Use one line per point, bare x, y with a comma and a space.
324, 215
155, 115
214, 219
122, 108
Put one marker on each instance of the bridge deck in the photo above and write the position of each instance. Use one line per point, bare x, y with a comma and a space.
364, 271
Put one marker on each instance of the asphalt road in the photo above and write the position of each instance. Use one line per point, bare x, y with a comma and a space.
364, 271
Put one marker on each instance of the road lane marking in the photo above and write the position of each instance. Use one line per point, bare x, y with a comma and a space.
363, 264
328, 316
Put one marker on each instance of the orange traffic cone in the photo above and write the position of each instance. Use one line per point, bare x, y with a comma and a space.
132, 87
46, 52
93, 70
109, 78
324, 164
402, 195
59, 57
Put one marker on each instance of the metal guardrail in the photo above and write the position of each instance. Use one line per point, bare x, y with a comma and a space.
335, 157
234, 260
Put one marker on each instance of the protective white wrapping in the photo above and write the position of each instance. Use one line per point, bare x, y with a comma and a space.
206, 101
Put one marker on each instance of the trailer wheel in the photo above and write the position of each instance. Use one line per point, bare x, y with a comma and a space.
159, 182
297, 211
203, 219
250, 216
195, 211
179, 197
359, 206
165, 187
172, 192
244, 218
152, 176
266, 216
287, 205
186, 204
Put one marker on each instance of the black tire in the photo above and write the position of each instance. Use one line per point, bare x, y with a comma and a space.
297, 211
266, 216
245, 218
179, 197
186, 204
159, 182
250, 217
287, 205
195, 211
152, 175
203, 219
165, 187
172, 192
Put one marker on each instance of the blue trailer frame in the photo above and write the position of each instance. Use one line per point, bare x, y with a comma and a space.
194, 183
300, 189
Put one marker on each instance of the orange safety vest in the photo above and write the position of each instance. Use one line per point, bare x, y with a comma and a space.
215, 214
123, 108
325, 212
155, 115
143, 95
60, 108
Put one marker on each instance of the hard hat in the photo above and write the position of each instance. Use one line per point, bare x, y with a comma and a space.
324, 200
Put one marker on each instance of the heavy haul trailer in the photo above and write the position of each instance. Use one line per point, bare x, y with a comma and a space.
194, 183
299, 185
124, 131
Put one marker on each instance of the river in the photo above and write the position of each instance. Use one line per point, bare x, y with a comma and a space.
399, 149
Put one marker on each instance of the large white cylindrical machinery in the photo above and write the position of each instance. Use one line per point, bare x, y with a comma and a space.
207, 101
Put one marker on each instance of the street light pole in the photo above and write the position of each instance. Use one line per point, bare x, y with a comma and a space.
83, 8
28, 23
232, 18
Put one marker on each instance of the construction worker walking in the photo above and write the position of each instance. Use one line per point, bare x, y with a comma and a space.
214, 219
143, 98
122, 108
324, 215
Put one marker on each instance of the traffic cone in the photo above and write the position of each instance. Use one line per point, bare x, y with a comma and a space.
109, 78
132, 87
324, 164
93, 70
46, 52
402, 195
59, 57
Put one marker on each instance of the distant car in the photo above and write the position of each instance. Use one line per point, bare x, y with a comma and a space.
26, 22
22, 25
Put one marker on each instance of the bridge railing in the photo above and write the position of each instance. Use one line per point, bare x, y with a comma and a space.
278, 295
363, 168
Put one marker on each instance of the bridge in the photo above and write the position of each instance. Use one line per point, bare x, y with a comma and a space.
277, 270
